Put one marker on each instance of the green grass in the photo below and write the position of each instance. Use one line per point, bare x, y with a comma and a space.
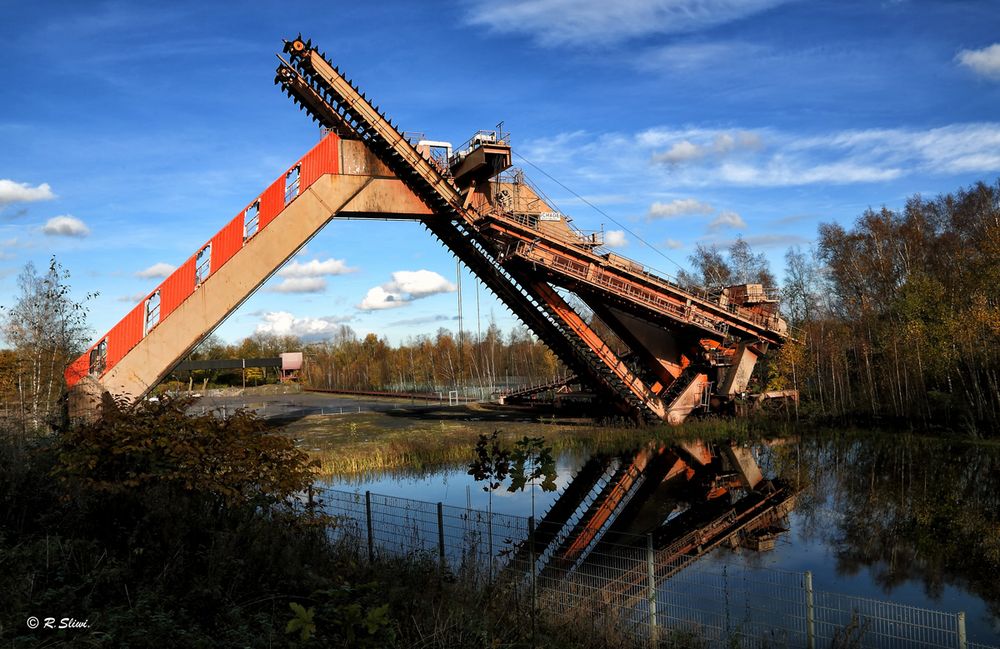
426, 439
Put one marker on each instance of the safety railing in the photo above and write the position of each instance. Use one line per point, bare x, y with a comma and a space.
478, 139
630, 586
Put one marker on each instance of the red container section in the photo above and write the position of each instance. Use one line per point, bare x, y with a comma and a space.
126, 334
176, 288
272, 202
227, 242
321, 159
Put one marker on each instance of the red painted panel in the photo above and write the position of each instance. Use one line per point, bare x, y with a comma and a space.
125, 335
78, 369
272, 201
176, 288
227, 242
322, 159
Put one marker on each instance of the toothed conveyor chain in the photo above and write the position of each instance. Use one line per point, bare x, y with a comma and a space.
328, 105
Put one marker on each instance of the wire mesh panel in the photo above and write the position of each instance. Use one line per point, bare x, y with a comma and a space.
730, 604
347, 510
860, 622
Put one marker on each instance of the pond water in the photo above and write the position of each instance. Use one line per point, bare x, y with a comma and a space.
900, 518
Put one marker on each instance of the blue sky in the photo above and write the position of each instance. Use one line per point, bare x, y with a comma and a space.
131, 132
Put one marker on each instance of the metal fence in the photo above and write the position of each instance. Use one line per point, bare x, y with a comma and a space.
711, 604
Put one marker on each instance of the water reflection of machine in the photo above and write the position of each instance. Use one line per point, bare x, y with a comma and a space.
685, 499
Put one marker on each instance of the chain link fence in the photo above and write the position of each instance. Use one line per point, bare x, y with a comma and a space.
626, 583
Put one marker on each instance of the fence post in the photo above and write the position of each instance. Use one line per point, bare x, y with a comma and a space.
810, 612
371, 534
651, 574
441, 535
534, 583
963, 642
489, 533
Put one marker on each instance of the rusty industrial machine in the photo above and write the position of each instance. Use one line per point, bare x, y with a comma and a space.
688, 349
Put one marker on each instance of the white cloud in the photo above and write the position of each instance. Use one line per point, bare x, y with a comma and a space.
65, 225
300, 285
406, 286
697, 157
420, 283
135, 298
678, 207
767, 241
598, 22
7, 247
615, 239
720, 145
673, 244
378, 298
422, 320
283, 323
691, 57
158, 270
14, 192
727, 220
985, 62
784, 173
316, 268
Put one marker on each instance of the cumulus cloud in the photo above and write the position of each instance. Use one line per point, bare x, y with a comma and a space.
405, 286
598, 22
316, 268
65, 225
673, 244
283, 323
678, 207
14, 192
158, 270
300, 285
615, 239
985, 62
727, 219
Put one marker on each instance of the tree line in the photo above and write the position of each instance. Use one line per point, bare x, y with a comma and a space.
425, 363
900, 312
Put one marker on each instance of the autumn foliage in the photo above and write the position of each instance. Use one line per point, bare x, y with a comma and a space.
160, 443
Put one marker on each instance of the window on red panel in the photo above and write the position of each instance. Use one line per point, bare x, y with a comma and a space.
152, 312
202, 265
251, 219
292, 184
99, 358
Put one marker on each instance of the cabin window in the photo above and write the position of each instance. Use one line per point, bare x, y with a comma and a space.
202, 265
99, 358
292, 184
250, 220
152, 312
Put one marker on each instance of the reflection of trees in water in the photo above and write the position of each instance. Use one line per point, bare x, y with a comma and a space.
907, 509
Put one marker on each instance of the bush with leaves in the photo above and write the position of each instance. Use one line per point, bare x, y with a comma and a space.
159, 443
